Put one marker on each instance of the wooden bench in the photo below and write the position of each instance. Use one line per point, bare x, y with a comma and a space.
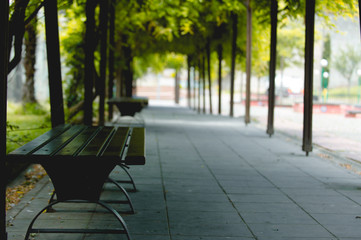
78, 160
128, 106
352, 113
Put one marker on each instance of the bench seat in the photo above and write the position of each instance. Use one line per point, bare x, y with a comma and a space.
128, 106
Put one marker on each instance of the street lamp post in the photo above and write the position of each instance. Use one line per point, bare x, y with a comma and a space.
324, 79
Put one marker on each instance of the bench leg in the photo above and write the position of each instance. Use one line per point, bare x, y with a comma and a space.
104, 205
131, 181
50, 209
125, 193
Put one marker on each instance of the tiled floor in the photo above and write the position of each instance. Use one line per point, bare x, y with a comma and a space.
210, 177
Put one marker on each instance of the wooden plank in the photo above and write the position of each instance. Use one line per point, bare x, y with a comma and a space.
53, 146
116, 145
40, 141
79, 142
98, 143
136, 148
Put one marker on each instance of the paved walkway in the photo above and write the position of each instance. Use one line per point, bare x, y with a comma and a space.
211, 177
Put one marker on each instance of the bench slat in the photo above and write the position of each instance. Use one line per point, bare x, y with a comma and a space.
98, 143
136, 148
119, 139
79, 142
53, 146
40, 141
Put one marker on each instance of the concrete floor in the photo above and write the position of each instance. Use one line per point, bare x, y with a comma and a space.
211, 177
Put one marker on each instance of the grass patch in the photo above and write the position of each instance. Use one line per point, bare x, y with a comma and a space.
25, 124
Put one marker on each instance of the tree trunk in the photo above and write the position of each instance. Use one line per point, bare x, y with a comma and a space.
29, 62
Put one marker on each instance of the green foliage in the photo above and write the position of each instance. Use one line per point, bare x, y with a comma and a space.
72, 51
346, 61
153, 29
23, 126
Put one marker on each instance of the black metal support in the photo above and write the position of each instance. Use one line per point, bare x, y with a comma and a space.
308, 95
247, 118
189, 80
359, 10
104, 6
199, 86
272, 67
204, 81
124, 192
233, 60
208, 51
124, 229
111, 56
130, 181
4, 59
54, 66
220, 57
89, 61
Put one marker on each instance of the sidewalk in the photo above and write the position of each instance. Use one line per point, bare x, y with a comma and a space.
211, 177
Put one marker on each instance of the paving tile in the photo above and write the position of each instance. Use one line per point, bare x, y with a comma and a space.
278, 218
210, 238
267, 207
336, 207
260, 198
201, 198
196, 206
289, 231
